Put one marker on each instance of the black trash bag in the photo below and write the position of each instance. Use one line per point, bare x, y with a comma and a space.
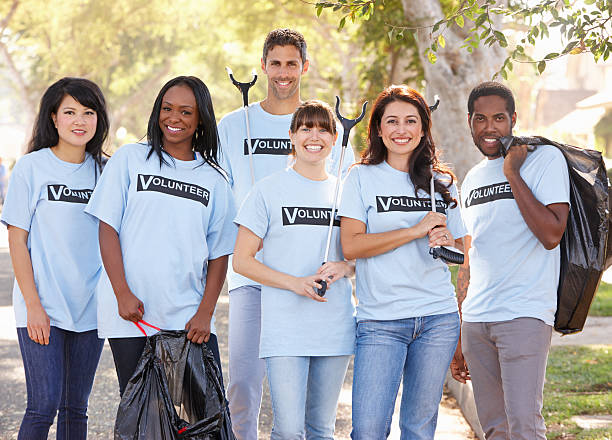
175, 393
586, 240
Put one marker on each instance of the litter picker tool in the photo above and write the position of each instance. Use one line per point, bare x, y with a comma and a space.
244, 90
446, 254
347, 125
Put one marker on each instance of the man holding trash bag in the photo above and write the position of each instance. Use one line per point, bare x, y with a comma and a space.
515, 209
255, 141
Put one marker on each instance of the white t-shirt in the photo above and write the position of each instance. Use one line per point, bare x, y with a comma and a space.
171, 221
512, 275
46, 197
406, 282
290, 213
271, 149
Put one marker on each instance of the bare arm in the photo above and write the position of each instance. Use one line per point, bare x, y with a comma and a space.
458, 366
356, 243
245, 263
547, 222
130, 307
38, 323
198, 327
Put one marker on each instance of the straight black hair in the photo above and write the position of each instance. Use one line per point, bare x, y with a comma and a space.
88, 94
206, 137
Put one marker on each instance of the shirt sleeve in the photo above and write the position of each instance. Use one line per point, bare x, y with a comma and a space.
221, 234
254, 213
225, 150
20, 202
351, 204
553, 183
454, 220
347, 160
109, 199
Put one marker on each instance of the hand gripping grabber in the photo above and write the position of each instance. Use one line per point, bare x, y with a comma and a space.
347, 125
244, 90
449, 256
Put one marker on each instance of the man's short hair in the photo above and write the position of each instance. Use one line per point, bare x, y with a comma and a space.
491, 88
285, 37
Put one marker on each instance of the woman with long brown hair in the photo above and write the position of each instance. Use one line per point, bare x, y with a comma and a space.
407, 316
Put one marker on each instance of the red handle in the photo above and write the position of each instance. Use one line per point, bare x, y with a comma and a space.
147, 324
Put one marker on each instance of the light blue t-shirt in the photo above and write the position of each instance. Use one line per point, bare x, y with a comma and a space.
46, 197
271, 153
406, 282
290, 213
512, 275
170, 222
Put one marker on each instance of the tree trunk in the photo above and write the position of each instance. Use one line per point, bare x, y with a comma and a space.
455, 73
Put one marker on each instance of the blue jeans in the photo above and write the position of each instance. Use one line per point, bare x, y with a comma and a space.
304, 392
419, 350
59, 376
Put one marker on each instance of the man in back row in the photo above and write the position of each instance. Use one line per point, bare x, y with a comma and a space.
284, 61
515, 210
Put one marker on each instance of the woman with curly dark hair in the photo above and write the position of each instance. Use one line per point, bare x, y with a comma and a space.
407, 316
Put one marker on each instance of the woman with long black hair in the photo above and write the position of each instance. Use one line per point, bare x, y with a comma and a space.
55, 255
165, 211
407, 319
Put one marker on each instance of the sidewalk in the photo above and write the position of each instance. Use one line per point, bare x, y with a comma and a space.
104, 398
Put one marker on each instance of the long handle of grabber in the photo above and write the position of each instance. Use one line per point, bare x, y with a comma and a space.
250, 144
334, 205
432, 194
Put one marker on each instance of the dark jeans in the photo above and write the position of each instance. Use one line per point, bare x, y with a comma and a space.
127, 352
59, 376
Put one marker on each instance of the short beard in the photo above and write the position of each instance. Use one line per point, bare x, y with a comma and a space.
491, 155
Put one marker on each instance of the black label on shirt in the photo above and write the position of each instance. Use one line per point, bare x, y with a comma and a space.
173, 187
407, 204
280, 147
61, 193
298, 215
489, 193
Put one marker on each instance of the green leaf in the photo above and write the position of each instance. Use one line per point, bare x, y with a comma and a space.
501, 38
390, 35
480, 20
541, 66
319, 10
589, 2
337, 7
441, 41
504, 74
459, 20
551, 56
437, 26
570, 46
342, 23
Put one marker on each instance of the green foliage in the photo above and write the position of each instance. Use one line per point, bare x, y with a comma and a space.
602, 303
578, 382
583, 29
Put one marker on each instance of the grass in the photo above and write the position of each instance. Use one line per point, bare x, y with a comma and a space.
602, 303
578, 382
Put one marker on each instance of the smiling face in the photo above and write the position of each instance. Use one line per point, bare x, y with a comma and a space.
489, 122
178, 118
284, 69
401, 130
312, 144
75, 123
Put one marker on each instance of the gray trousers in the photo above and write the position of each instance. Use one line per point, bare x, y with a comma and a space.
246, 370
507, 363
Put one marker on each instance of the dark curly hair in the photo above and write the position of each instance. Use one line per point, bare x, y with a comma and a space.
424, 158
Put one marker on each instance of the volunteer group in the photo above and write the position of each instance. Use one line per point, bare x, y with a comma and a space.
154, 233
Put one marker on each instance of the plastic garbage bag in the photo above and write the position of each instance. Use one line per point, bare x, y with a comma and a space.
585, 241
175, 393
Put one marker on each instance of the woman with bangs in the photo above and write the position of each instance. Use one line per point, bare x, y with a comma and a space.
306, 340
407, 316
56, 259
